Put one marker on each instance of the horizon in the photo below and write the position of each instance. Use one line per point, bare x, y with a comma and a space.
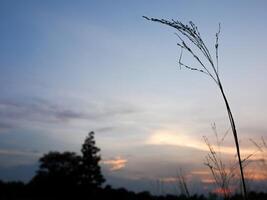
70, 68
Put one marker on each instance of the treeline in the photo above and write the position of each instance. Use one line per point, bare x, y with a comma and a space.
70, 176
21, 191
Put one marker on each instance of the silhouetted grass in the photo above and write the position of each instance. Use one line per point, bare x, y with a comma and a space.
191, 33
183, 184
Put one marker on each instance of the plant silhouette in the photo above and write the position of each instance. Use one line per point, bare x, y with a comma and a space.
190, 32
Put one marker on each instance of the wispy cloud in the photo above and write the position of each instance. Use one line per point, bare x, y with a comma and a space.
8, 152
38, 110
16, 112
180, 138
5, 126
116, 164
14, 157
169, 180
171, 137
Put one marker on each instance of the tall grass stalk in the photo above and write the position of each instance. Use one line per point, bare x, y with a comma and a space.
182, 184
220, 172
190, 33
262, 149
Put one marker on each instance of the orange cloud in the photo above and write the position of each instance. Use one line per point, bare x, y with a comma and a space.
204, 176
256, 175
208, 180
201, 172
169, 180
116, 164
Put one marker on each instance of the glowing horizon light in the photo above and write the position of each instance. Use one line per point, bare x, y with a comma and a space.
116, 164
169, 137
175, 138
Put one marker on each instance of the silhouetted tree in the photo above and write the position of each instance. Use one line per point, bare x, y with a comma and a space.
58, 169
91, 175
69, 170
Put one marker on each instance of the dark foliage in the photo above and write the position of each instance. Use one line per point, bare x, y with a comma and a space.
59, 172
58, 169
90, 170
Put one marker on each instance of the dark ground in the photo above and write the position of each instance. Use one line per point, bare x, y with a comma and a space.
21, 191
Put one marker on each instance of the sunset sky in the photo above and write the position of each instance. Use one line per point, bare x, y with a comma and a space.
70, 67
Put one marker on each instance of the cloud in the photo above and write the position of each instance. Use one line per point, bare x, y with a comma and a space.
8, 152
5, 126
169, 180
12, 157
253, 129
204, 176
37, 110
181, 138
17, 113
105, 129
208, 181
116, 164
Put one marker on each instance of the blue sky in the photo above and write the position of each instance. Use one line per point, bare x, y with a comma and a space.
71, 67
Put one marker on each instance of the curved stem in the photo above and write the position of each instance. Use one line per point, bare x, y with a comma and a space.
232, 122
191, 33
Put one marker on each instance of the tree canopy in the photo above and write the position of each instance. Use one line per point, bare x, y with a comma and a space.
68, 169
90, 169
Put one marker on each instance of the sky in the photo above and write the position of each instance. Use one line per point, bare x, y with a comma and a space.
71, 67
